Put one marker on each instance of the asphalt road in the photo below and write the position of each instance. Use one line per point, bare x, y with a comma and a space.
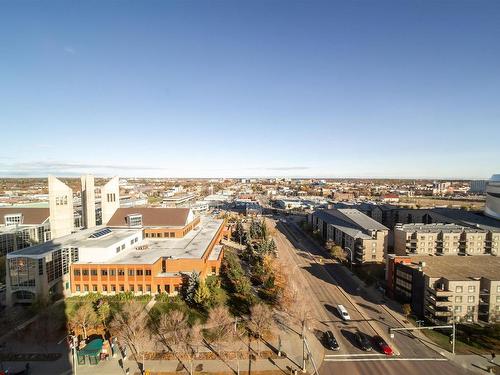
331, 284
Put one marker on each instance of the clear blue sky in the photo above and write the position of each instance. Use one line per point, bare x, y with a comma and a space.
256, 88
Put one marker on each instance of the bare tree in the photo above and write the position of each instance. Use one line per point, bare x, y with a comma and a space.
219, 325
261, 320
130, 326
191, 339
172, 327
84, 318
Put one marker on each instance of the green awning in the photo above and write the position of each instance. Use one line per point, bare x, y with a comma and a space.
93, 348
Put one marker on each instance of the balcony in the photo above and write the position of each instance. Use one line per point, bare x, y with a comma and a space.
441, 312
439, 302
440, 292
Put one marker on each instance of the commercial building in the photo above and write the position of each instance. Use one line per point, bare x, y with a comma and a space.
444, 239
364, 237
446, 289
140, 251
478, 186
492, 207
23, 227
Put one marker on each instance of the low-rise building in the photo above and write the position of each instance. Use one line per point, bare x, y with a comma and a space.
446, 289
364, 237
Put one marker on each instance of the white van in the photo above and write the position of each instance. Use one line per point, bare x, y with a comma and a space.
343, 312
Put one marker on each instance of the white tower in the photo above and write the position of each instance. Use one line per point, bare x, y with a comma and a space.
492, 207
88, 201
61, 208
110, 199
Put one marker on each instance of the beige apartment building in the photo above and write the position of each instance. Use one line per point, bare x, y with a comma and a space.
446, 289
444, 239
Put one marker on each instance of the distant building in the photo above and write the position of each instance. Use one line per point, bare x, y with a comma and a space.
478, 186
492, 207
446, 289
351, 229
178, 200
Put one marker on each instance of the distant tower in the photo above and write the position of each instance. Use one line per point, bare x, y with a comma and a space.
61, 208
211, 189
110, 199
88, 201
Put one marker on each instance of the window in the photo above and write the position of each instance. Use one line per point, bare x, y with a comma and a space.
77, 287
458, 308
40, 267
86, 288
470, 299
118, 249
139, 287
76, 272
131, 288
458, 299
104, 288
104, 272
148, 272
136, 239
113, 288
122, 288
121, 272
176, 287
85, 272
94, 288
131, 272
374, 256
123, 246
138, 272
214, 270
472, 288
112, 272
167, 289
148, 288
93, 272
498, 288
459, 289
172, 234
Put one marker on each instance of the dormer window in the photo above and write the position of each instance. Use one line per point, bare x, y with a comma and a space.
134, 220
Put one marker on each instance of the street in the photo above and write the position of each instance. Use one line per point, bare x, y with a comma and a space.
332, 284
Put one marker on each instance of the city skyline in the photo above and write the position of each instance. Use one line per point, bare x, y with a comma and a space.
260, 89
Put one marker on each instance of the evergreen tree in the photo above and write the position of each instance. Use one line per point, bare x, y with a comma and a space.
192, 286
264, 232
239, 232
202, 295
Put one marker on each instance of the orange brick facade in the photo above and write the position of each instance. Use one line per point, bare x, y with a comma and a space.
145, 278
170, 232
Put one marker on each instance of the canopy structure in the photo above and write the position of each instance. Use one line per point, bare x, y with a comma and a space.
92, 351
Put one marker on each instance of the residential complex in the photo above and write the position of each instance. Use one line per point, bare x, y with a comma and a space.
443, 289
366, 238
444, 239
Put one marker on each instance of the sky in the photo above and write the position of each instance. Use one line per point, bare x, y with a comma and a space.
250, 88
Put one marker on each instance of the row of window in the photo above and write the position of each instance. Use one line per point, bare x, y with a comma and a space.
121, 288
160, 235
112, 272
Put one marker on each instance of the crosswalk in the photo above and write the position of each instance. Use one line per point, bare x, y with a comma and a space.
366, 357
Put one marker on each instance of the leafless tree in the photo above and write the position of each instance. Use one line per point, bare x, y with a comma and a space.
172, 327
191, 339
130, 326
84, 318
261, 320
219, 325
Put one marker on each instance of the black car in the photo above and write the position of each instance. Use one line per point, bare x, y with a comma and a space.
330, 341
363, 341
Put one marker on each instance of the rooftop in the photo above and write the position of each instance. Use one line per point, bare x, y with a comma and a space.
431, 228
193, 245
31, 216
459, 267
152, 216
80, 239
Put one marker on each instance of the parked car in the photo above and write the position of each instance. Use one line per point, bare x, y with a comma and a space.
381, 345
363, 341
343, 312
330, 341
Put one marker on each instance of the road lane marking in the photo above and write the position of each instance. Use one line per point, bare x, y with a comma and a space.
354, 355
383, 359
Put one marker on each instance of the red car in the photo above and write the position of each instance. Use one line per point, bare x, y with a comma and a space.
381, 345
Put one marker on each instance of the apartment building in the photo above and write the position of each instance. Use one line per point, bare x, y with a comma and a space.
111, 260
444, 239
23, 227
353, 231
443, 289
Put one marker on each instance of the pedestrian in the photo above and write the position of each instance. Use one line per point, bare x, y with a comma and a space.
493, 355
27, 368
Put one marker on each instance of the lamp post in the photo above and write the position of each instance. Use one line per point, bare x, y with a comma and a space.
352, 255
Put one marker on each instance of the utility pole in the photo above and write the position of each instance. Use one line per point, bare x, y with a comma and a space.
352, 255
453, 338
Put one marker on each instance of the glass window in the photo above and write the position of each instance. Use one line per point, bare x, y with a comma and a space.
470, 299
85, 272
121, 272
77, 287
93, 272
458, 299
138, 272
112, 272
104, 272
104, 288
76, 272
472, 288
131, 272
86, 288
148, 272
94, 288
459, 289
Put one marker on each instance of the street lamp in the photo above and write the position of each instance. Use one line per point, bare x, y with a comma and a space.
352, 255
